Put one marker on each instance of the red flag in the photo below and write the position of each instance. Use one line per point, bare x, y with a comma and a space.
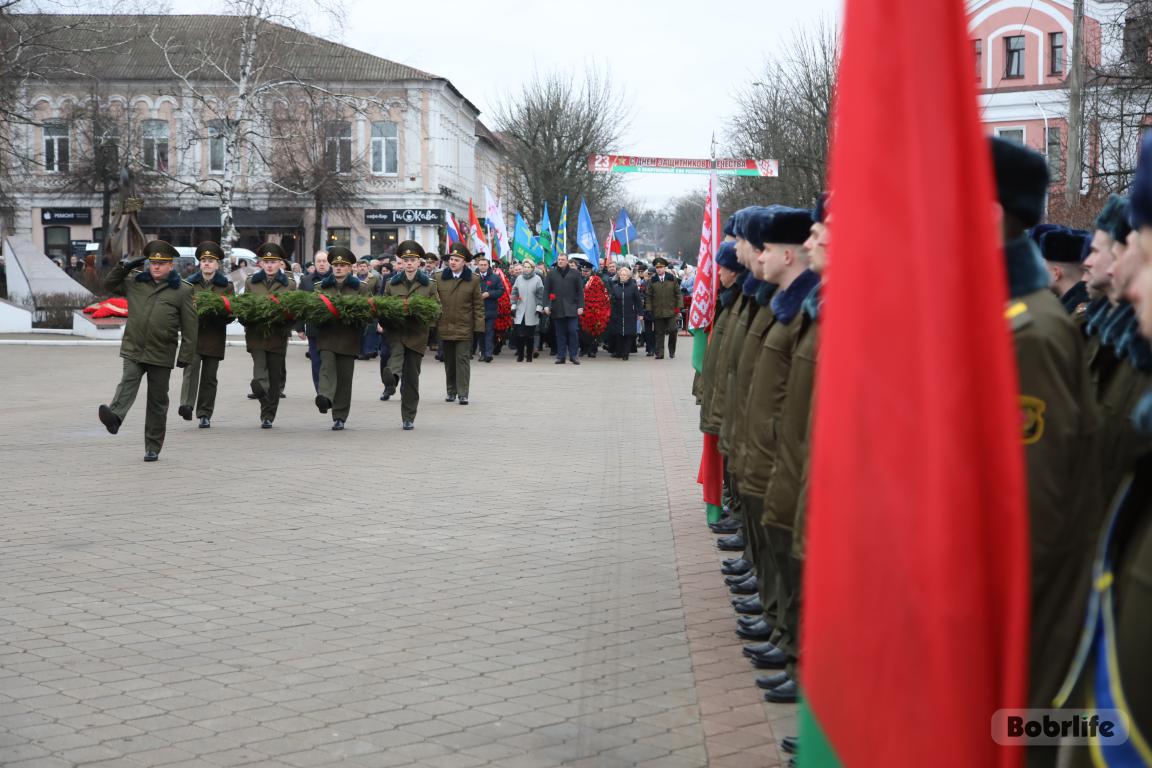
477, 232
916, 579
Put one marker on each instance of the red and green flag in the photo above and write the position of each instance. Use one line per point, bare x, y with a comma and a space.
916, 577
700, 315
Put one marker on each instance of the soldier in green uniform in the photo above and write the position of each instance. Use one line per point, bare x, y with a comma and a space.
160, 311
784, 263
1113, 668
1064, 251
408, 343
338, 342
458, 289
664, 301
268, 344
1058, 430
199, 388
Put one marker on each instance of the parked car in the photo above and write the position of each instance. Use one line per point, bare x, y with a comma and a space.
187, 263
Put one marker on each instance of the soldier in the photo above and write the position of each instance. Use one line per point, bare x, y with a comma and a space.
781, 255
1059, 425
663, 300
367, 275
408, 343
268, 344
1112, 669
307, 331
159, 307
338, 342
199, 387
1064, 251
459, 293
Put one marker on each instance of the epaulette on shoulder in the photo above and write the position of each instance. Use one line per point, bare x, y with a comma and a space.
1018, 315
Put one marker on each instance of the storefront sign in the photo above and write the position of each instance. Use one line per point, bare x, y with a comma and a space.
66, 215
392, 216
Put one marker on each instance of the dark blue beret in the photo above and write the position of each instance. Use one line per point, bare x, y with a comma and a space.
1114, 210
1140, 195
788, 226
1063, 245
726, 257
1021, 180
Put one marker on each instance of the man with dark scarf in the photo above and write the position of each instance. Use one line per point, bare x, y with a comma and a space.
199, 386
268, 344
338, 342
1059, 426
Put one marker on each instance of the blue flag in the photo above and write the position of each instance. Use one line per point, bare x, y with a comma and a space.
562, 229
545, 230
586, 236
625, 232
523, 243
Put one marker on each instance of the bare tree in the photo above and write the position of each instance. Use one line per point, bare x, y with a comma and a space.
314, 160
548, 130
786, 115
682, 231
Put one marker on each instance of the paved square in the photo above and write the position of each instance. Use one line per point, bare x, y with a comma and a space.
471, 593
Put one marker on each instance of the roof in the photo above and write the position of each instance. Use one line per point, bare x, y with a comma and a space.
131, 47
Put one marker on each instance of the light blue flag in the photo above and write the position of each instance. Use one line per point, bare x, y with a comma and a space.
586, 236
562, 229
545, 238
524, 245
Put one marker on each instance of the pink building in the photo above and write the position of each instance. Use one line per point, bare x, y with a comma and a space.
1021, 54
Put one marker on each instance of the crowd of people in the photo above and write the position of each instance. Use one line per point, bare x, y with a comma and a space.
1080, 314
567, 307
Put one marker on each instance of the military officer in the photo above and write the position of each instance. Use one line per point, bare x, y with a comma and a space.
368, 276
1059, 429
664, 301
268, 344
199, 389
408, 343
338, 342
463, 315
1064, 251
159, 311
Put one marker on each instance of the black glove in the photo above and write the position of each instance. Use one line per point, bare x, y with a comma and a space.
181, 364
135, 263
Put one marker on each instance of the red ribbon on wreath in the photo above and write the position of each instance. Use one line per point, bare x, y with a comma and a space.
227, 304
285, 312
328, 303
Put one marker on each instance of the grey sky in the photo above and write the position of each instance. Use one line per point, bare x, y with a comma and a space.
678, 62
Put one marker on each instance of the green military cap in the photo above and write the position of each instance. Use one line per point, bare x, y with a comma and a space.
410, 248
659, 261
158, 250
268, 251
209, 249
459, 249
338, 254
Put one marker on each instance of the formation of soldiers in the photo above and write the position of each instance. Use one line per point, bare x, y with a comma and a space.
164, 331
1080, 313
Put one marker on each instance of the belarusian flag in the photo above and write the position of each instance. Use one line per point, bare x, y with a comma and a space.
916, 581
700, 315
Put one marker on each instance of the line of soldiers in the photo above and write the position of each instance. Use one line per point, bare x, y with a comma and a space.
163, 331
1085, 371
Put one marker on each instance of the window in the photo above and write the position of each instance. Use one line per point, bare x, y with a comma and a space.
1056, 53
108, 149
155, 144
385, 148
56, 148
1054, 149
338, 146
216, 146
978, 53
1014, 56
58, 241
1011, 134
339, 236
383, 240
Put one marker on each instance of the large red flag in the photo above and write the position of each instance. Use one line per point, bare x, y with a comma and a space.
916, 579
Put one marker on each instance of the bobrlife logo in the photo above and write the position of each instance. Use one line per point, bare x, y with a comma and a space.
1049, 727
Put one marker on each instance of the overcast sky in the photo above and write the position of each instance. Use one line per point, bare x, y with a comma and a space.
678, 62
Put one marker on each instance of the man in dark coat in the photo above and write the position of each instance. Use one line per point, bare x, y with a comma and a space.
462, 315
199, 387
1058, 431
268, 344
338, 341
664, 302
565, 292
491, 289
408, 343
308, 331
1064, 251
160, 311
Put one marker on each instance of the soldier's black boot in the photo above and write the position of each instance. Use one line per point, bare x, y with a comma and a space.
110, 420
185, 412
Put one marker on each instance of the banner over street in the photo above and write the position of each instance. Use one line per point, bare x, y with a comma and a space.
723, 166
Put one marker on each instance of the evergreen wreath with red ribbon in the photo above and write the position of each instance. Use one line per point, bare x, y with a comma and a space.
597, 311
